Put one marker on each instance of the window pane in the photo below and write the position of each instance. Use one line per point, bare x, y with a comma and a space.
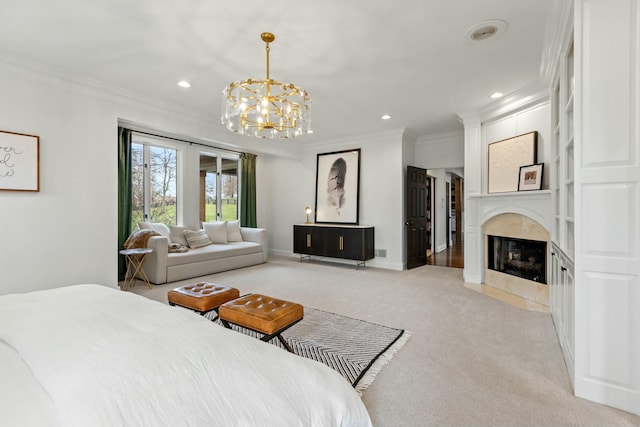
163, 167
137, 185
229, 190
208, 188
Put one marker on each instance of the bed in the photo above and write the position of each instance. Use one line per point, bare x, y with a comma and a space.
89, 355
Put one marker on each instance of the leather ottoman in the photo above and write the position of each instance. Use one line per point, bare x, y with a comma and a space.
266, 315
202, 297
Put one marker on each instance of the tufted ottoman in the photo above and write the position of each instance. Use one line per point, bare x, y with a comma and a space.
202, 297
263, 314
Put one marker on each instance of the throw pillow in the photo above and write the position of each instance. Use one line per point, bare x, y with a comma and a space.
233, 231
196, 239
217, 231
177, 235
156, 226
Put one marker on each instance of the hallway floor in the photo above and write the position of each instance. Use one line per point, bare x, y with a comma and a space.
453, 256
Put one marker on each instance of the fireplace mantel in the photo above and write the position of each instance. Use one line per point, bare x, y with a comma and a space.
534, 204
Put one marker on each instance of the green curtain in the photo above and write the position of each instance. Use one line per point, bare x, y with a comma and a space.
124, 193
248, 190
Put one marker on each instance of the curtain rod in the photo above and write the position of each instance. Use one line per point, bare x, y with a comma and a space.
182, 140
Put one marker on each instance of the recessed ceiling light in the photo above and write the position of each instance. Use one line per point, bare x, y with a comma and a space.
486, 30
385, 117
497, 95
184, 83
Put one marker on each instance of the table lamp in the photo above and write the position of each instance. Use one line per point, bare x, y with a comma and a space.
307, 211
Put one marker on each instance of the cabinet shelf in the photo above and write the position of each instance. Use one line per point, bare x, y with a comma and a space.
568, 108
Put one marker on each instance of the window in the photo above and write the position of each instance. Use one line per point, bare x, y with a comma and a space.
154, 172
218, 188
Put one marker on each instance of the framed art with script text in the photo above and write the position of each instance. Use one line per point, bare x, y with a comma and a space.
19, 162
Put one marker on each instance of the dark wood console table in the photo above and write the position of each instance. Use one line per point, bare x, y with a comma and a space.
334, 241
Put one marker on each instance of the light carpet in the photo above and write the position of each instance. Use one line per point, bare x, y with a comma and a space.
471, 360
356, 349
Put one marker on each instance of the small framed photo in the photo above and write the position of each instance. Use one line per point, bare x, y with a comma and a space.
19, 162
530, 177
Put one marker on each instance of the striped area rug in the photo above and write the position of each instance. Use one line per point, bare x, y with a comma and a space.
357, 349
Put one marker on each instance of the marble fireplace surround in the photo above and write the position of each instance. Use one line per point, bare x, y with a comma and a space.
524, 215
522, 227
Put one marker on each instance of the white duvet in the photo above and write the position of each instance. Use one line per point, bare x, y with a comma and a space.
96, 356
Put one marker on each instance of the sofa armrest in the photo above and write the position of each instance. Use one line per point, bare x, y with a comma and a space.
256, 235
155, 263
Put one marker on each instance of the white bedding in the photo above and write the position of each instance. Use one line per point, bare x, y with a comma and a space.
103, 357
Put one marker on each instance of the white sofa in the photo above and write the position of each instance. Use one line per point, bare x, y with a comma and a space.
162, 266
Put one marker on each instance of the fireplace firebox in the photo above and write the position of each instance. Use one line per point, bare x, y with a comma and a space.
522, 258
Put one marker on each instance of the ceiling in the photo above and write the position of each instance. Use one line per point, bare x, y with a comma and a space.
358, 59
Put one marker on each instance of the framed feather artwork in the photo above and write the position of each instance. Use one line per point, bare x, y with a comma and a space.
338, 187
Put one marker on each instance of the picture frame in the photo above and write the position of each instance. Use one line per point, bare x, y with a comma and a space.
19, 162
505, 159
338, 187
530, 177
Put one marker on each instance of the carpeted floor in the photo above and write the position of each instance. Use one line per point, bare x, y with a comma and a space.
356, 349
471, 360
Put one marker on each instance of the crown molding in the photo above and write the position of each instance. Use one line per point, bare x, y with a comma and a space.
558, 35
525, 97
360, 139
439, 138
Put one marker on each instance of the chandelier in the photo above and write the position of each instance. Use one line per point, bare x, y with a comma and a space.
266, 108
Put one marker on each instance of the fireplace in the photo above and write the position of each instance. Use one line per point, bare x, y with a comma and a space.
517, 228
518, 257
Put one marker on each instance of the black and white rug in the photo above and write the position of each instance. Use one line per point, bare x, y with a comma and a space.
357, 349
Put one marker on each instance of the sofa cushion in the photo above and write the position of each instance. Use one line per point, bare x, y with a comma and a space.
159, 227
213, 252
217, 231
196, 238
233, 231
177, 235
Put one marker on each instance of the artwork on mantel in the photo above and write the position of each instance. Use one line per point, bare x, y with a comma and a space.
338, 187
505, 159
530, 177
19, 162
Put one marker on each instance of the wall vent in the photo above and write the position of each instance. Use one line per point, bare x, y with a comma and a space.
381, 253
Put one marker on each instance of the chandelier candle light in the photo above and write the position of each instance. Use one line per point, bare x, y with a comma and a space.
266, 108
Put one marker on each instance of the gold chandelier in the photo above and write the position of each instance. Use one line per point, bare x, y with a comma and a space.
266, 108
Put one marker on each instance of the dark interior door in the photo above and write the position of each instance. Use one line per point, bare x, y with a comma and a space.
448, 198
417, 196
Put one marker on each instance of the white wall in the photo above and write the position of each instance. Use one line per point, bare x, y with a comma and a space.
440, 154
292, 187
67, 232
536, 118
442, 151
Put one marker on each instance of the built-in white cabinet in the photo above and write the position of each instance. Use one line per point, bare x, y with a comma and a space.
562, 303
595, 274
561, 286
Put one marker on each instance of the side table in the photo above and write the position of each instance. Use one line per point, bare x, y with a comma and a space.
134, 259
